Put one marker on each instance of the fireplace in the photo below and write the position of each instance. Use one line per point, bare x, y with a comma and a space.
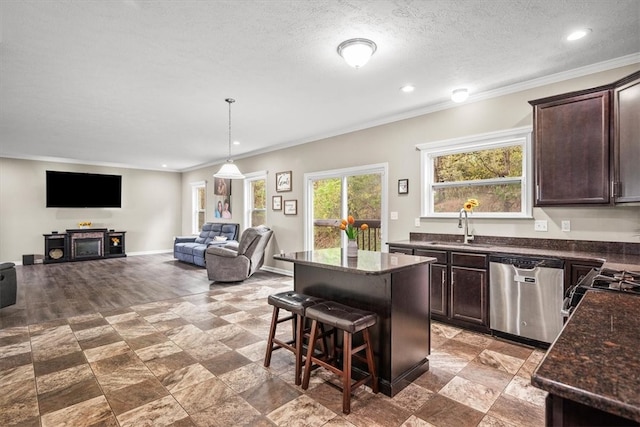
87, 245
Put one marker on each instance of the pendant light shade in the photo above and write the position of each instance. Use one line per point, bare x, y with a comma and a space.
229, 170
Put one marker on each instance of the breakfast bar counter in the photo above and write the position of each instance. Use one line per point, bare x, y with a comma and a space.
395, 287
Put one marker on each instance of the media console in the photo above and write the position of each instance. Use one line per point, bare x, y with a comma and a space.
83, 244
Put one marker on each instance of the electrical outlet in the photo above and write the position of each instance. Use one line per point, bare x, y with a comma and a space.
540, 225
394, 215
416, 222
566, 225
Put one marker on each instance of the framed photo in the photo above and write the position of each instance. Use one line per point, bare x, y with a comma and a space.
276, 203
290, 207
403, 186
283, 181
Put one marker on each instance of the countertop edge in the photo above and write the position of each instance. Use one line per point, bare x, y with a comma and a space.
422, 261
587, 398
629, 262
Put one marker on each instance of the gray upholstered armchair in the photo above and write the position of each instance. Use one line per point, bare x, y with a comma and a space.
237, 262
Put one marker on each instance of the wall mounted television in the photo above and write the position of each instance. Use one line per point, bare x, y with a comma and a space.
83, 190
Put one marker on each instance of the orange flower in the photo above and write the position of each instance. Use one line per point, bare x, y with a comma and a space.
348, 226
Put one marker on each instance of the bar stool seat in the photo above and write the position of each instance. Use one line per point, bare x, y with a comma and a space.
296, 304
349, 320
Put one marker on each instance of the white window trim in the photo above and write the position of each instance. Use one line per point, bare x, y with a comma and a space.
380, 168
194, 204
248, 203
466, 144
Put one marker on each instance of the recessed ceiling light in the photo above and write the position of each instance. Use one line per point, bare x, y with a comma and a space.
164, 166
408, 88
460, 95
236, 142
578, 34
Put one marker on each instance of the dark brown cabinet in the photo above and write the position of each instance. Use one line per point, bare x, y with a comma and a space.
469, 289
626, 139
571, 148
459, 288
586, 145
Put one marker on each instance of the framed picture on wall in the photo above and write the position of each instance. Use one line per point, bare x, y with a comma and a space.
283, 181
290, 207
276, 203
403, 186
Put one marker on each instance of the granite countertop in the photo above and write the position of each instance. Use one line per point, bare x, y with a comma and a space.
613, 255
596, 358
367, 262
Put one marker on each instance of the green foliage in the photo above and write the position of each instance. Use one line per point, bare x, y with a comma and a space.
364, 201
476, 166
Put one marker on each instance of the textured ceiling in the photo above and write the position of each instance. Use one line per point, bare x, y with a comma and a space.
142, 83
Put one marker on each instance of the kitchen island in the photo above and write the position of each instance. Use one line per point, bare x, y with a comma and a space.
592, 370
394, 286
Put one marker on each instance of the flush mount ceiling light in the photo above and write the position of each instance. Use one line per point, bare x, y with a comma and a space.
357, 52
460, 95
578, 34
408, 88
229, 170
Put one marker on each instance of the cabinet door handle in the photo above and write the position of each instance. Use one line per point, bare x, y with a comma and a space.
444, 278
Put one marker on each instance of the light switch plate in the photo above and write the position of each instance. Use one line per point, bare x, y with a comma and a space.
416, 222
540, 225
566, 225
394, 215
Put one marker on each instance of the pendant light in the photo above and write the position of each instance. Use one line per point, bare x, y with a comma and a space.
229, 170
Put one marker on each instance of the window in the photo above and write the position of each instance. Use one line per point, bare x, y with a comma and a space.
255, 186
198, 204
494, 168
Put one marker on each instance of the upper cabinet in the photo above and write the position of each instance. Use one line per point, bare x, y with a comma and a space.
574, 136
626, 139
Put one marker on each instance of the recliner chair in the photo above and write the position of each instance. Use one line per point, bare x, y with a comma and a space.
235, 263
8, 284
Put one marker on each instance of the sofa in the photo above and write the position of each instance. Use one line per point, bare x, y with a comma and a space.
191, 249
236, 262
8, 284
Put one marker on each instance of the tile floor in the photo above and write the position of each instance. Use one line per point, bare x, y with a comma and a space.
197, 360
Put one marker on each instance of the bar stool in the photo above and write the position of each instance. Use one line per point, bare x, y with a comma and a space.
296, 304
350, 321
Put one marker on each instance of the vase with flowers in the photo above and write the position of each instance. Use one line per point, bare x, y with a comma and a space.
350, 229
115, 241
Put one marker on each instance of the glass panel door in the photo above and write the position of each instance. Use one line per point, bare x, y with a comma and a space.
334, 198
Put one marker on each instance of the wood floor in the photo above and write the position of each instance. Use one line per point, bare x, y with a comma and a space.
54, 291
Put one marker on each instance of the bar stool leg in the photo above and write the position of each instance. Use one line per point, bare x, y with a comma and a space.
307, 364
370, 363
299, 321
272, 334
346, 372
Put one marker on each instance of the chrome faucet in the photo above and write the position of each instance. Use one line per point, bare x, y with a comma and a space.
468, 238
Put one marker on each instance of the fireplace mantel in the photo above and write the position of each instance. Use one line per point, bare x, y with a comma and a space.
82, 244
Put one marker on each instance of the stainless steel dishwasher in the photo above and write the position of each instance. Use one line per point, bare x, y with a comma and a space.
525, 296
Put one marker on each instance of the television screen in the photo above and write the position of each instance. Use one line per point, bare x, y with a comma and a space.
83, 190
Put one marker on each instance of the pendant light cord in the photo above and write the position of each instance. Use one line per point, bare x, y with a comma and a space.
230, 101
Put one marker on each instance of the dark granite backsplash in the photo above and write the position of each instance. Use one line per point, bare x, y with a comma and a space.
623, 248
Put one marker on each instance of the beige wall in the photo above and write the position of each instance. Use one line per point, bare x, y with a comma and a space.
157, 205
395, 143
150, 210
